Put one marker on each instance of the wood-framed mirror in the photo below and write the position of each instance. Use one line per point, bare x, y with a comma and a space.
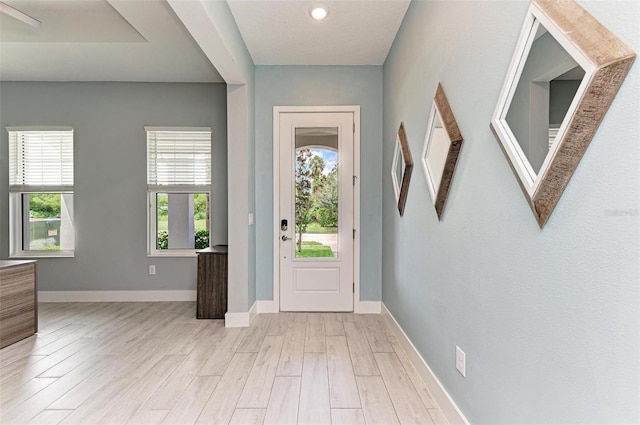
401, 169
442, 144
565, 72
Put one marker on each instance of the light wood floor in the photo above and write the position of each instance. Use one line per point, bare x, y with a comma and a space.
153, 363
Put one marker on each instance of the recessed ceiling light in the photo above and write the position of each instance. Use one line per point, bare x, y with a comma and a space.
318, 12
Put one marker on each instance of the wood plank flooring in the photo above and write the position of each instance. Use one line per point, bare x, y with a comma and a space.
154, 363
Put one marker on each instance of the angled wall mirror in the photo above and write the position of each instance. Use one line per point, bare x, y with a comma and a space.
401, 168
441, 149
565, 72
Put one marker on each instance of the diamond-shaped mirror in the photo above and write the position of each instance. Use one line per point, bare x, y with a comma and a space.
545, 92
401, 169
441, 148
564, 74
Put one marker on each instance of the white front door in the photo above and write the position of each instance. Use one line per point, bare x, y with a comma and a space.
316, 211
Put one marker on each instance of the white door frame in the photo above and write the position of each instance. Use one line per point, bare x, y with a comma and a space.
277, 110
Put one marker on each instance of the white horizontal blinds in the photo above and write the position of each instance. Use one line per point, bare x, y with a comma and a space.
178, 158
40, 160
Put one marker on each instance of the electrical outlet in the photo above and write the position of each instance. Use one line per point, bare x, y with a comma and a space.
461, 361
250, 219
152, 269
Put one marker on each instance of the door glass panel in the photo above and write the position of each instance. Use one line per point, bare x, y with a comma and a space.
316, 192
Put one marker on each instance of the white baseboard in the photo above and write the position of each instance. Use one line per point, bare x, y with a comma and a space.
242, 319
115, 296
253, 311
266, 306
368, 307
236, 320
362, 307
440, 394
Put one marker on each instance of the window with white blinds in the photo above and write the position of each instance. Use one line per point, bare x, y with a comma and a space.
178, 157
40, 159
41, 221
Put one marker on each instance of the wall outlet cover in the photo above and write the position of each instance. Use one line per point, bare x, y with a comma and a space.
152, 269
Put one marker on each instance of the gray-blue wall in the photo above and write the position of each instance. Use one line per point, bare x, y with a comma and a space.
321, 85
549, 319
110, 175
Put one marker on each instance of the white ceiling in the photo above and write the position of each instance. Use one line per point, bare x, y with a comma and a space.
281, 32
100, 40
143, 40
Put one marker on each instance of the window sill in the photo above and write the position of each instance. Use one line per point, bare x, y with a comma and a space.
173, 253
44, 254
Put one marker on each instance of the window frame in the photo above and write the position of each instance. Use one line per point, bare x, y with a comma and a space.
152, 222
17, 213
154, 189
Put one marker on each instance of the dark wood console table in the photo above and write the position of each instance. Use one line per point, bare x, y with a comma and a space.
212, 283
18, 301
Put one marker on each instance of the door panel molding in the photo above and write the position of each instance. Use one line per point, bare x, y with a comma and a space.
277, 111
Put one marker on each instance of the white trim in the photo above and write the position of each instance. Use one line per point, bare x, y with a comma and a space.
242, 319
179, 188
236, 320
40, 128
448, 407
176, 253
311, 109
115, 296
21, 255
277, 110
368, 307
26, 188
253, 311
152, 128
266, 306
356, 209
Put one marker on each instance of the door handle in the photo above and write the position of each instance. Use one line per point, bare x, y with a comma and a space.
285, 238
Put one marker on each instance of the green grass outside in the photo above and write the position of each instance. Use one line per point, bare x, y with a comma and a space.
163, 224
316, 228
311, 249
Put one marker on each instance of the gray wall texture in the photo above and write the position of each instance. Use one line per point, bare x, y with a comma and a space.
320, 86
110, 175
549, 319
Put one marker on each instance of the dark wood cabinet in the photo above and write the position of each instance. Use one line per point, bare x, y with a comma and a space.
212, 283
18, 301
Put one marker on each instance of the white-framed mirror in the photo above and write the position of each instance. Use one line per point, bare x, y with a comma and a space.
441, 149
401, 169
564, 74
